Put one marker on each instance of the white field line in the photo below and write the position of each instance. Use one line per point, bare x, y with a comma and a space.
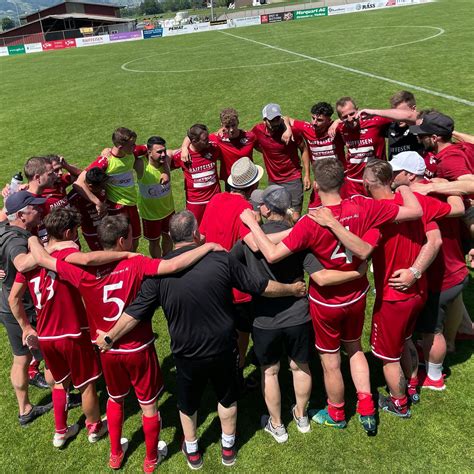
357, 71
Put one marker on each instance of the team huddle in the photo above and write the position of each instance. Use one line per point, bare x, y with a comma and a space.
232, 266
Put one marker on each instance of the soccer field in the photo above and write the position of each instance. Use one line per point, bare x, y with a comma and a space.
69, 102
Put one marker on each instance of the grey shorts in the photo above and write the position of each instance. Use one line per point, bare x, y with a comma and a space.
295, 188
433, 315
15, 336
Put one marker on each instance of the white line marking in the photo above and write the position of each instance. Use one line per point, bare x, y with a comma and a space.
356, 71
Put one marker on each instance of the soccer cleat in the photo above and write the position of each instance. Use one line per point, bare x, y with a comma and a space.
386, 404
115, 460
60, 439
74, 400
35, 412
369, 423
413, 395
38, 380
427, 382
97, 431
150, 466
302, 422
278, 432
228, 455
194, 460
322, 417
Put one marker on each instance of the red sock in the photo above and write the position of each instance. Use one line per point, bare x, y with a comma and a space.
412, 384
400, 403
365, 404
151, 429
60, 409
336, 411
115, 421
93, 427
33, 368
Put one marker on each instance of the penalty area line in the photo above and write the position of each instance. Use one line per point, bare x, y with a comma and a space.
357, 71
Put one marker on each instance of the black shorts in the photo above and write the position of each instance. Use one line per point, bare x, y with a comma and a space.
295, 188
433, 315
296, 341
244, 315
15, 336
192, 376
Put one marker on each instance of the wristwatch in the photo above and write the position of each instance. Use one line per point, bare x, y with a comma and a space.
416, 272
108, 340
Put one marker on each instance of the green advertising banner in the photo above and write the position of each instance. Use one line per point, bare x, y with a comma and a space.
18, 49
311, 13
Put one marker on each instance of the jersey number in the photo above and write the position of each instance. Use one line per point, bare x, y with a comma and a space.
50, 288
109, 299
347, 254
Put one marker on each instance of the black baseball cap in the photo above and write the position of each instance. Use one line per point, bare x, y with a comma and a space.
434, 123
21, 199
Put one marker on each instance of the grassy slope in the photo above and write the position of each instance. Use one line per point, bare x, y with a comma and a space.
69, 102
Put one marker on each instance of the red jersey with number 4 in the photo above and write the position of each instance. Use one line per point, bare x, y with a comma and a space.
107, 290
361, 216
232, 149
400, 246
200, 175
320, 146
58, 304
363, 143
282, 161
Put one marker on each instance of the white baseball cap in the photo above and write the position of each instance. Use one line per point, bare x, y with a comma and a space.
270, 111
409, 161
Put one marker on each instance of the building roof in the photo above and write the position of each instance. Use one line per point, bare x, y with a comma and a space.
72, 1
83, 16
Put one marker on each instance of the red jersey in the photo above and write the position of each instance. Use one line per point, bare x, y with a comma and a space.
363, 143
221, 224
200, 176
233, 149
59, 308
361, 216
59, 189
89, 217
107, 290
431, 164
455, 160
320, 146
400, 246
282, 161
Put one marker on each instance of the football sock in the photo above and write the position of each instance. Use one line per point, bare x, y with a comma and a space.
151, 429
227, 440
412, 384
60, 409
400, 403
434, 371
365, 404
336, 411
192, 446
115, 420
33, 368
93, 427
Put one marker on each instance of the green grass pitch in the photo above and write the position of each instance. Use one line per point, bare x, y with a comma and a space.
69, 102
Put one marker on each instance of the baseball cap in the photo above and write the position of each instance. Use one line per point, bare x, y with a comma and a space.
21, 199
244, 173
434, 123
270, 111
409, 161
275, 197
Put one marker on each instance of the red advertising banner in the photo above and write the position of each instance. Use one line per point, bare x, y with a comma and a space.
59, 44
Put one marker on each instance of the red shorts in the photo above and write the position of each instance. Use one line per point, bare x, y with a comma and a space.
140, 370
75, 357
393, 323
333, 325
131, 212
197, 210
92, 241
152, 230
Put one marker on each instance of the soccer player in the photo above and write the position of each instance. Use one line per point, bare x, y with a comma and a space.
319, 142
282, 161
120, 187
132, 361
337, 311
155, 196
95, 180
200, 170
403, 255
64, 341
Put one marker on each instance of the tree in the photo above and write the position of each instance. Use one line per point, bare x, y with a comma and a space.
151, 7
7, 23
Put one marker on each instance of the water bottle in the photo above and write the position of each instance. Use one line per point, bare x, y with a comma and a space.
15, 183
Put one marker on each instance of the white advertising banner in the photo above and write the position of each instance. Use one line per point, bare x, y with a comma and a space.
340, 9
248, 21
92, 40
3, 51
180, 30
34, 48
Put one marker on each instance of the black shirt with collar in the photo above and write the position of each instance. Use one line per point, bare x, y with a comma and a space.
197, 303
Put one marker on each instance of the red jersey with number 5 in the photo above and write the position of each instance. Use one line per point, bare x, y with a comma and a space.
107, 290
59, 308
361, 216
